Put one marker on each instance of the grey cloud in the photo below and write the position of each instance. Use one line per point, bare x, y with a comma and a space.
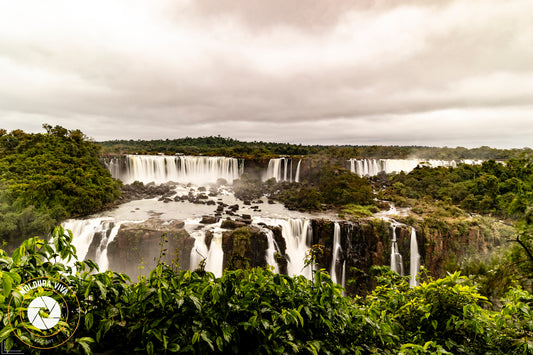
290, 71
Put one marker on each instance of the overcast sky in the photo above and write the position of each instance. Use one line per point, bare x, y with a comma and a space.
420, 72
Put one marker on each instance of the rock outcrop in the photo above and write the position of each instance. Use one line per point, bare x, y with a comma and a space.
139, 246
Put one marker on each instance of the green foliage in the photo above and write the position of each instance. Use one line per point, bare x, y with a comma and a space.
449, 315
257, 311
329, 187
341, 187
45, 178
489, 188
356, 211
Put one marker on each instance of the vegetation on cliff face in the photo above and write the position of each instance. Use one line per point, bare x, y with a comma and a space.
257, 311
45, 178
445, 203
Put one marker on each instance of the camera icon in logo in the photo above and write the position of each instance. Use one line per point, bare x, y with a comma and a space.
44, 312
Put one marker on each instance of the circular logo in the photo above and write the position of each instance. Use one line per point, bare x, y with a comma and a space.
44, 312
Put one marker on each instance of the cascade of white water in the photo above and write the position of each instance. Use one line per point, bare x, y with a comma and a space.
184, 169
415, 259
281, 169
371, 167
290, 171
396, 260
199, 250
297, 175
272, 250
273, 169
336, 249
83, 231
215, 257
101, 256
296, 233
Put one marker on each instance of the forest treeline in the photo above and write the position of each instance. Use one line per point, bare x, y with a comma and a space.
47, 177
219, 146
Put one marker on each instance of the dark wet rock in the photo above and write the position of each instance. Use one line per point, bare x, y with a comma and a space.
209, 219
137, 191
143, 244
232, 224
244, 248
208, 238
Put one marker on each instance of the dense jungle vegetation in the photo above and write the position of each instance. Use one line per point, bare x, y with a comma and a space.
47, 177
219, 146
258, 312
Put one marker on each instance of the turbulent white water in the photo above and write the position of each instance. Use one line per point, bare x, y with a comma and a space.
183, 169
282, 169
298, 235
336, 249
272, 250
396, 260
85, 230
372, 167
415, 259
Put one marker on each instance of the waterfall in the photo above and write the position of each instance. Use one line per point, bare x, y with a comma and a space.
199, 251
335, 254
396, 261
84, 231
297, 234
415, 259
281, 169
164, 168
92, 236
215, 257
272, 249
372, 167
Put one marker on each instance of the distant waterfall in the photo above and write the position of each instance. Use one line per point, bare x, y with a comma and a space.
164, 168
336, 249
415, 259
396, 260
281, 169
372, 167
